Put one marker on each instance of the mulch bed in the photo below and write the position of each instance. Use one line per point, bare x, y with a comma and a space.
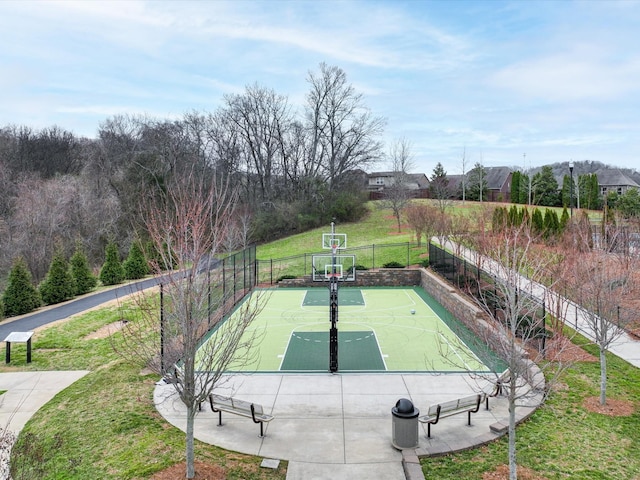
204, 471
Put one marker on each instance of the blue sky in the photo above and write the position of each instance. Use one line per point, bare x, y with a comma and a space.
555, 80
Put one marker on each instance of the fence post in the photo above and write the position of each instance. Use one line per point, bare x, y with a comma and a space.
271, 272
373, 256
408, 254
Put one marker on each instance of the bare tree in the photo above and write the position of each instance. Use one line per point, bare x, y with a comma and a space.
188, 229
464, 174
421, 218
516, 326
398, 193
342, 130
600, 282
261, 117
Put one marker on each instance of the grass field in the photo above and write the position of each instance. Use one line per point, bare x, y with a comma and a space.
403, 327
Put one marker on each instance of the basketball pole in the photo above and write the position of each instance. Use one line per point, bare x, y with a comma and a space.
333, 307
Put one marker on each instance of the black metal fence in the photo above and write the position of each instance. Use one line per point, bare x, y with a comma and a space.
489, 292
367, 257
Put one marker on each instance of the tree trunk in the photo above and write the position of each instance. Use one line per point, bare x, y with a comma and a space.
190, 453
603, 377
513, 466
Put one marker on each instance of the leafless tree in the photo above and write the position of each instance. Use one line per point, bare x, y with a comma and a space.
343, 133
464, 174
421, 217
188, 229
398, 193
261, 117
600, 282
515, 326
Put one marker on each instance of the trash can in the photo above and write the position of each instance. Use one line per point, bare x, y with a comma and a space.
404, 424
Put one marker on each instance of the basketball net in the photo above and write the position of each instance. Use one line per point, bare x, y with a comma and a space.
334, 248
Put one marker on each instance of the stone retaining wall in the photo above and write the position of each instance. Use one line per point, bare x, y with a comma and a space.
383, 277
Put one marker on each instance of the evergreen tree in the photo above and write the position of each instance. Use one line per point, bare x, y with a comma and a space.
525, 218
564, 219
499, 219
545, 187
595, 199
524, 189
537, 221
135, 266
515, 187
628, 203
21, 296
85, 280
58, 285
439, 187
551, 223
112, 272
514, 217
1, 309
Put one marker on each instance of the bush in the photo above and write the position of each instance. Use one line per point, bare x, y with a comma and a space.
21, 296
58, 285
393, 264
112, 271
135, 266
286, 277
85, 281
424, 263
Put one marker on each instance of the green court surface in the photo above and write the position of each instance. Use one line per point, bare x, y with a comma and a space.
379, 329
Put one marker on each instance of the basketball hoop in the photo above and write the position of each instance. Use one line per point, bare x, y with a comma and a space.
334, 248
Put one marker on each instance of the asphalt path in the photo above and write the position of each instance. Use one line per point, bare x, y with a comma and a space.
28, 323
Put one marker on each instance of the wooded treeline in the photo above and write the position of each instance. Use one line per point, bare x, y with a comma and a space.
293, 168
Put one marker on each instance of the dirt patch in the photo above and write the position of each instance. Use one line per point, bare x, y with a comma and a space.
107, 330
204, 471
613, 407
502, 473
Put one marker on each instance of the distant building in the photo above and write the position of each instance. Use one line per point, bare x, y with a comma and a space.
613, 180
417, 183
498, 184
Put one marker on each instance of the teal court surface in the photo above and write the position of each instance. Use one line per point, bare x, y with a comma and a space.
380, 330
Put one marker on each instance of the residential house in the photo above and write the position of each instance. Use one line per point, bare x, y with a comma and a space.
613, 180
417, 183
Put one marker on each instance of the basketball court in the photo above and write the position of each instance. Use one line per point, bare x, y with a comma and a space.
335, 327
379, 330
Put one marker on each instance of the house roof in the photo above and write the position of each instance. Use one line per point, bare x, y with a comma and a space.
497, 177
614, 177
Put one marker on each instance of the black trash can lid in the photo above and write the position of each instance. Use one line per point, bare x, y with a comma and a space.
404, 408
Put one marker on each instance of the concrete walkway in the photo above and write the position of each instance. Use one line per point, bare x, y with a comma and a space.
623, 345
27, 392
339, 426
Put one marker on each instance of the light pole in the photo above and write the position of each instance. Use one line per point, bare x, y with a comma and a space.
571, 188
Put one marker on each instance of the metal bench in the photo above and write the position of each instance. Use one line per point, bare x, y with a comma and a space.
470, 404
254, 411
496, 388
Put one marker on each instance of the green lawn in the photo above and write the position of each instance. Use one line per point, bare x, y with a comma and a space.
105, 425
563, 439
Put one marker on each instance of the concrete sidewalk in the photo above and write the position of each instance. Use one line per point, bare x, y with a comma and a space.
27, 392
339, 426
